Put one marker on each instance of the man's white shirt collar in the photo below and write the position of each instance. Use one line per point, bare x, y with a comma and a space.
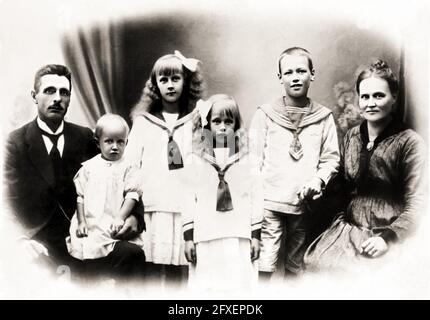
42, 125
48, 143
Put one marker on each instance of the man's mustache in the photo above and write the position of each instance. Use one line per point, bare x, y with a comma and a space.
56, 106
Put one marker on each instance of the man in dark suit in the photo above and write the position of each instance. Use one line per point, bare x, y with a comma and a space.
41, 160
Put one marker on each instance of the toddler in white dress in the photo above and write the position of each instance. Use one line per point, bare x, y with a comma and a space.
106, 195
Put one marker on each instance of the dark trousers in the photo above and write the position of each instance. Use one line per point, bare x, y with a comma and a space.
53, 236
125, 263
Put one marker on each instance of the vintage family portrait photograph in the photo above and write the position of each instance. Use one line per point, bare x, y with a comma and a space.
192, 150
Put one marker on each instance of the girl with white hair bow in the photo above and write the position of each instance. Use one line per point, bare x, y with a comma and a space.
160, 137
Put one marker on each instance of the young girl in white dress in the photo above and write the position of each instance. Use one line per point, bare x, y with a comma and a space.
160, 138
107, 192
222, 223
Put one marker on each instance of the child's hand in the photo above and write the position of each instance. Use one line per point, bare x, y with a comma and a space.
116, 226
129, 230
311, 190
255, 249
82, 230
374, 247
190, 251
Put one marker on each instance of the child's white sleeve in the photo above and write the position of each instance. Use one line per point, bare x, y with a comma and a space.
80, 180
189, 179
134, 149
188, 217
256, 202
131, 183
328, 164
257, 137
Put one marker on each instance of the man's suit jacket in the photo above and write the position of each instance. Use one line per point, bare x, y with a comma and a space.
30, 179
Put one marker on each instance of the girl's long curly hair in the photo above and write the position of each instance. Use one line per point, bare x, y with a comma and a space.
203, 137
194, 86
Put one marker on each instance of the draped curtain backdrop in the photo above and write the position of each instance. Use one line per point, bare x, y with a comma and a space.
111, 60
94, 57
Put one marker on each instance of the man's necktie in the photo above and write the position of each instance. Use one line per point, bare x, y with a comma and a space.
55, 155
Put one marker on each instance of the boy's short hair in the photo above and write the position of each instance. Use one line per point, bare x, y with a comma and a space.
57, 69
296, 51
109, 118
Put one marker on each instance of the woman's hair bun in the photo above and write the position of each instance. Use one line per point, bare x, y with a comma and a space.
379, 65
379, 68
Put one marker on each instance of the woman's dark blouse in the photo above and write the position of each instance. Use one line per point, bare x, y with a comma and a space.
386, 184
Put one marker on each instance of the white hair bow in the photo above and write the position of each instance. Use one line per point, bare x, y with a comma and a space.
203, 108
189, 63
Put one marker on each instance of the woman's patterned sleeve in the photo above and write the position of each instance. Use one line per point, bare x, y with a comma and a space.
412, 167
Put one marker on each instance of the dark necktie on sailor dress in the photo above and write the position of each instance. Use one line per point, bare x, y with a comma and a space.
296, 116
174, 156
223, 202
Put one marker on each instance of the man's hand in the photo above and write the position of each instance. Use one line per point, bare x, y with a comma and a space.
255, 249
374, 247
129, 230
190, 251
116, 226
33, 249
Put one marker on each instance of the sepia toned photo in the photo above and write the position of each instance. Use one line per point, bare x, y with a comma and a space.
214, 150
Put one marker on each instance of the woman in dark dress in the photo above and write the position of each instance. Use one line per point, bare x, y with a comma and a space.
382, 166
